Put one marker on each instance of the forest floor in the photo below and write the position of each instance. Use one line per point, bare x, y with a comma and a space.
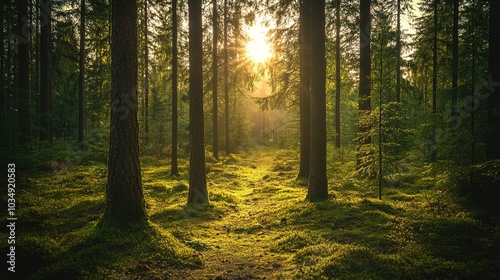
258, 226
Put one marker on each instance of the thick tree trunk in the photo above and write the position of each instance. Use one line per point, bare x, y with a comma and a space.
174, 169
45, 72
493, 140
226, 81
337, 75
23, 78
434, 57
305, 91
197, 177
124, 196
364, 105
318, 183
215, 141
81, 81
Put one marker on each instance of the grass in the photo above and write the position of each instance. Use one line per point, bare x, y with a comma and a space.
257, 226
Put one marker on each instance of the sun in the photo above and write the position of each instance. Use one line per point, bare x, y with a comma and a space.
258, 48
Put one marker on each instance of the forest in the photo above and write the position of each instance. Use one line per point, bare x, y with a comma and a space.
268, 139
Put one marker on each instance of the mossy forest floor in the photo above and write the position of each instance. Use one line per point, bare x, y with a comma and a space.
257, 226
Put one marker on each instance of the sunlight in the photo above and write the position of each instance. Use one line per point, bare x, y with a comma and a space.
258, 48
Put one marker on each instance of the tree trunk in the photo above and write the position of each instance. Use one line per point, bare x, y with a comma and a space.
197, 177
454, 61
45, 72
337, 75
215, 142
174, 169
434, 57
146, 75
364, 105
23, 78
398, 50
226, 81
305, 91
124, 196
493, 141
318, 183
3, 106
81, 82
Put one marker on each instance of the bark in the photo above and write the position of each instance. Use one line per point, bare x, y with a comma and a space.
124, 195
398, 50
318, 183
454, 62
23, 79
146, 75
45, 72
493, 141
364, 105
174, 168
305, 91
226, 81
81, 80
434, 58
215, 141
197, 177
337, 75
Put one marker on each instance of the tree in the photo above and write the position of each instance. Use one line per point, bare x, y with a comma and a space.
197, 178
318, 183
434, 57
45, 72
174, 169
337, 74
454, 61
146, 75
364, 105
124, 195
215, 142
226, 80
23, 79
81, 80
398, 50
305, 91
492, 141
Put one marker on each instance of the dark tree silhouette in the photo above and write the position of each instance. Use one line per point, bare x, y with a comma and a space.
364, 105
305, 91
318, 183
215, 141
45, 72
454, 61
146, 75
226, 80
197, 177
81, 81
398, 50
174, 169
337, 74
124, 196
23, 79
493, 141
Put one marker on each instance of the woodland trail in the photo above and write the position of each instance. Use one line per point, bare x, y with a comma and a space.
237, 245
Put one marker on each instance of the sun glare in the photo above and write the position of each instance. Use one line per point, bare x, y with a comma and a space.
258, 48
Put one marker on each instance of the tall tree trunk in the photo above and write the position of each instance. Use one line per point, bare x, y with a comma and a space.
197, 177
381, 90
146, 75
124, 196
174, 169
364, 105
434, 57
45, 72
337, 74
305, 91
318, 183
398, 50
215, 141
493, 141
23, 78
81, 80
3, 105
226, 81
454, 60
